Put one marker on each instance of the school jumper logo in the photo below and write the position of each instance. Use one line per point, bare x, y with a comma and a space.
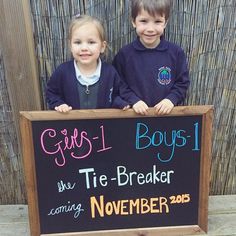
164, 75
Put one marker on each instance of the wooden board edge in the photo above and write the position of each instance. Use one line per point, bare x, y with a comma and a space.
204, 182
111, 113
163, 231
29, 165
29, 175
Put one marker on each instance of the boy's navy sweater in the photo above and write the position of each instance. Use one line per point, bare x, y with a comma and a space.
63, 87
152, 74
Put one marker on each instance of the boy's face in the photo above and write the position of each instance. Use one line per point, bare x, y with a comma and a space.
149, 28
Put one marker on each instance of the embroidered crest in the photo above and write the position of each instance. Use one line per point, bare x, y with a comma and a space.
164, 75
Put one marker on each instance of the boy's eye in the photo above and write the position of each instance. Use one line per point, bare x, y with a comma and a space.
77, 42
143, 21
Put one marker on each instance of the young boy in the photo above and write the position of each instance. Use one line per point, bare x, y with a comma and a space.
154, 71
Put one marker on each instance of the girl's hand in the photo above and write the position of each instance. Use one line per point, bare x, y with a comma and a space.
63, 108
140, 107
126, 108
164, 107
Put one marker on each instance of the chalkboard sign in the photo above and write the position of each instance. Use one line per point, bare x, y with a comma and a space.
106, 171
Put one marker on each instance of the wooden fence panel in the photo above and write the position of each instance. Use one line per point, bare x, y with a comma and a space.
205, 29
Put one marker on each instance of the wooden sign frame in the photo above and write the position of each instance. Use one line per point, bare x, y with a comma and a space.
26, 119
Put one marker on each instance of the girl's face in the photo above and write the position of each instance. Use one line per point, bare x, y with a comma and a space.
86, 46
149, 28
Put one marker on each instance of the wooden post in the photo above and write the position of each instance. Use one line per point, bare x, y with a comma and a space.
18, 57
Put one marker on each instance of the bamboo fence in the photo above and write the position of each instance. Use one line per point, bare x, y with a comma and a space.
11, 176
205, 29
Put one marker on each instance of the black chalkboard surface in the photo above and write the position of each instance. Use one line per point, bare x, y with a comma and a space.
102, 173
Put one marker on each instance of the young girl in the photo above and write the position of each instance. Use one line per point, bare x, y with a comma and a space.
85, 82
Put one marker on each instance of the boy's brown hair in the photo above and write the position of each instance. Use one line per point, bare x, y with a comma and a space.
153, 7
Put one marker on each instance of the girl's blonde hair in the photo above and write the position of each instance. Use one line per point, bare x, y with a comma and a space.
81, 20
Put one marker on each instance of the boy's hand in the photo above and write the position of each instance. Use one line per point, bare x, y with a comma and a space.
164, 107
63, 108
141, 107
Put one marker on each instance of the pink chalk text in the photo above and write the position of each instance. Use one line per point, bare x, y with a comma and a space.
79, 145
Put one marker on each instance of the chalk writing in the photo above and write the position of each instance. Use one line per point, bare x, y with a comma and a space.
64, 186
133, 177
183, 198
102, 180
155, 205
76, 208
78, 141
126, 178
107, 174
145, 138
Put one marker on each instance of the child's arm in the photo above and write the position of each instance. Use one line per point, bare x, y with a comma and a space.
53, 98
117, 100
181, 82
139, 106
54, 93
125, 91
178, 91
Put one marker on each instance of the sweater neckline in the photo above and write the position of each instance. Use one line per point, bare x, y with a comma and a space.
162, 46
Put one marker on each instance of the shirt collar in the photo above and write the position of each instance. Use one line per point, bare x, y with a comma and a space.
88, 80
162, 46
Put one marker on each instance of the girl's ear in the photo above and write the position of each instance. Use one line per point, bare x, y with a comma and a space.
104, 45
69, 44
